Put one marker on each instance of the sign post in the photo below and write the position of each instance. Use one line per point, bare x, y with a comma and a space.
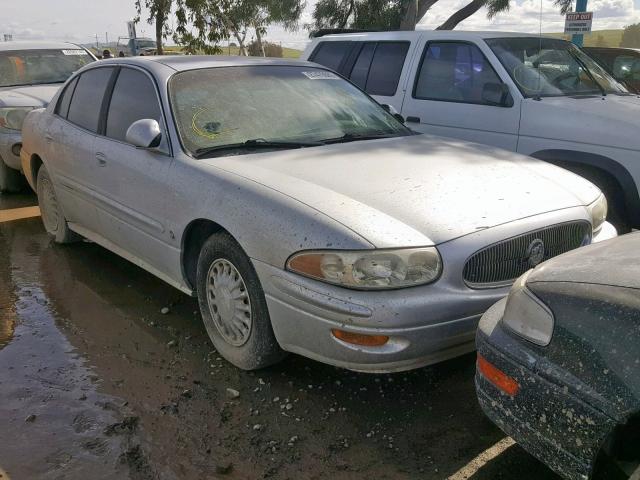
131, 27
579, 22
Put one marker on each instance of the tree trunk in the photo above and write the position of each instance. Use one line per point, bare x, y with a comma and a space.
259, 41
241, 38
462, 14
160, 19
414, 12
410, 17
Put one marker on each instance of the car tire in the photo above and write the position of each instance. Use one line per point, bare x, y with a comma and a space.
11, 181
233, 305
51, 212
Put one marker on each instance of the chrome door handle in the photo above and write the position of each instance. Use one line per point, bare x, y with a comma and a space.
102, 160
48, 138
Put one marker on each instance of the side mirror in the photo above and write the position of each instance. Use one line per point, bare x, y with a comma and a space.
390, 109
497, 94
144, 133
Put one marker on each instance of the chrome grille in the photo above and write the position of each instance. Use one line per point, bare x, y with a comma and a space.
502, 263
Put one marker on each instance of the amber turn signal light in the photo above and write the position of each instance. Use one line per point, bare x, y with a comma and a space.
497, 377
360, 339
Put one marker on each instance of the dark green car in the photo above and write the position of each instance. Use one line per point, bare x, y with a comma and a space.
559, 362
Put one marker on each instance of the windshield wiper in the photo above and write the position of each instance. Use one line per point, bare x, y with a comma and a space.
254, 144
584, 67
355, 137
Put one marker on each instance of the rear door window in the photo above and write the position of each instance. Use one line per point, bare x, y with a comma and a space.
62, 108
360, 71
332, 54
454, 72
86, 103
386, 68
134, 98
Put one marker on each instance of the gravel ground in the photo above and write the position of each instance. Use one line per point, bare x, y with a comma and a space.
108, 373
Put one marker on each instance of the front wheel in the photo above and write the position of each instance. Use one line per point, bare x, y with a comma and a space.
52, 216
233, 305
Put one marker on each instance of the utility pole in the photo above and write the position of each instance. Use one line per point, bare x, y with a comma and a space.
578, 38
97, 44
106, 38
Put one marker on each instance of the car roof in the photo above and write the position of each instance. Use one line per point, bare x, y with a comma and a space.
36, 45
614, 262
438, 34
193, 62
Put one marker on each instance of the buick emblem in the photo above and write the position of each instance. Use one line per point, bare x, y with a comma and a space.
535, 252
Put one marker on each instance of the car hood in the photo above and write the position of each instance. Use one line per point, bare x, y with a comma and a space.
614, 262
30, 96
605, 121
414, 190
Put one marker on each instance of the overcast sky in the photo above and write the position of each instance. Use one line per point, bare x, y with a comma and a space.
80, 20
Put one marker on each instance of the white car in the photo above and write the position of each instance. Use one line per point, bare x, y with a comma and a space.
30, 74
537, 96
304, 216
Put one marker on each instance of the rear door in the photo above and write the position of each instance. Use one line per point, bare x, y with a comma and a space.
133, 181
447, 96
71, 137
379, 67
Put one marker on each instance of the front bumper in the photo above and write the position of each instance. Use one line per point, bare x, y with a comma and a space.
426, 324
7, 141
607, 232
548, 419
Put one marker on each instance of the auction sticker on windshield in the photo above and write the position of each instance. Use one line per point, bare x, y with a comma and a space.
321, 75
73, 52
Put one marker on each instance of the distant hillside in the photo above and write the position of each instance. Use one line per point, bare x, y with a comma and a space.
597, 38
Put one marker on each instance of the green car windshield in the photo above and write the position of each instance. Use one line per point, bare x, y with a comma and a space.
38, 67
546, 67
231, 106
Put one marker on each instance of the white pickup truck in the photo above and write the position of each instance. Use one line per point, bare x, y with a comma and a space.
542, 97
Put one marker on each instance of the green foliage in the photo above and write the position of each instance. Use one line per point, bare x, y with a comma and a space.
202, 24
388, 14
361, 14
631, 36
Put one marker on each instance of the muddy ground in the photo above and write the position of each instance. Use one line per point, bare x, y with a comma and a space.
97, 383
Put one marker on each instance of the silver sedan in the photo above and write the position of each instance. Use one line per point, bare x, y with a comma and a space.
305, 217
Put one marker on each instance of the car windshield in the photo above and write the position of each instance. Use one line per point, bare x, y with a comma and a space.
258, 106
145, 43
36, 67
545, 67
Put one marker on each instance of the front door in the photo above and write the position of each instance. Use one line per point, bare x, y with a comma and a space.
133, 181
450, 96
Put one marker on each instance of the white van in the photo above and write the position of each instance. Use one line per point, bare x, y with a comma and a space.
538, 96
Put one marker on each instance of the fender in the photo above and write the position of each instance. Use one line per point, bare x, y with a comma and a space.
568, 158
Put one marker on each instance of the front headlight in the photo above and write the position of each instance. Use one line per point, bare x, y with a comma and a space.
370, 269
527, 316
598, 212
12, 118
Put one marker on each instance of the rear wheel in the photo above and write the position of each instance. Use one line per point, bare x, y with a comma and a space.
233, 305
11, 181
51, 211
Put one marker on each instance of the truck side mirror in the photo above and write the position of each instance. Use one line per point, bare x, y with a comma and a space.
394, 112
497, 94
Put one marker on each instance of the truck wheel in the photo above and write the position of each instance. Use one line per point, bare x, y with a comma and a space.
11, 181
51, 211
233, 305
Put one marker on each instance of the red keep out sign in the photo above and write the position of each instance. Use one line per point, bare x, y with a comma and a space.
578, 22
